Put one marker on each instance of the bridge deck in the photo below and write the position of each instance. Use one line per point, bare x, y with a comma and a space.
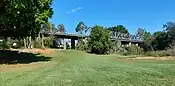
77, 36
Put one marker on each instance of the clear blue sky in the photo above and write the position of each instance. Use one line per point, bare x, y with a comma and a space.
133, 14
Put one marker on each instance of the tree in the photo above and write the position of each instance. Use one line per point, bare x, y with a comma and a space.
143, 34
23, 18
146, 37
99, 40
61, 28
161, 41
164, 39
119, 28
170, 30
81, 28
2, 6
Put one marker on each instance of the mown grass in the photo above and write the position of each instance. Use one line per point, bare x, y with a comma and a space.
74, 68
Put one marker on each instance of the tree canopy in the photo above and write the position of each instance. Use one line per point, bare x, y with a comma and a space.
23, 18
119, 28
99, 40
81, 28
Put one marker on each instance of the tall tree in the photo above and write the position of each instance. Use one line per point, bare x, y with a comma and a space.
81, 28
61, 28
119, 28
170, 30
99, 40
146, 37
143, 34
165, 38
23, 18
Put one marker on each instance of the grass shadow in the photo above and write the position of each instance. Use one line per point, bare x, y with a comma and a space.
16, 57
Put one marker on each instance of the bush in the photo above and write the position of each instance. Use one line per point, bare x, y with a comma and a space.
171, 49
157, 53
116, 47
37, 44
4, 46
82, 45
135, 50
48, 42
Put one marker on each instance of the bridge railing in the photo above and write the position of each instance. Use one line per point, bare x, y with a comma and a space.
114, 35
125, 36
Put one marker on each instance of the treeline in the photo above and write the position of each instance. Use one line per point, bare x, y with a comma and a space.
160, 43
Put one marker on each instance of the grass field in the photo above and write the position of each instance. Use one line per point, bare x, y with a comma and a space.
74, 68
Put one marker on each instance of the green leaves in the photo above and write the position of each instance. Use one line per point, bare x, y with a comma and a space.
81, 28
119, 28
99, 40
26, 16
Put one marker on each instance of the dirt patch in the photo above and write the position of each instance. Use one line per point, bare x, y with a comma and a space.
41, 51
153, 58
17, 67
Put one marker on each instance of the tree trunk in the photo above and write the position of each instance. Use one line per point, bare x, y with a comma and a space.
42, 41
25, 45
30, 42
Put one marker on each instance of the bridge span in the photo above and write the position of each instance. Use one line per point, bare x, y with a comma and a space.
124, 38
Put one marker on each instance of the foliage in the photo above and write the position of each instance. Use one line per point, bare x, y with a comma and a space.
135, 50
61, 28
82, 45
23, 18
165, 38
5, 45
49, 27
157, 53
47, 41
81, 28
115, 47
119, 28
171, 49
99, 42
143, 34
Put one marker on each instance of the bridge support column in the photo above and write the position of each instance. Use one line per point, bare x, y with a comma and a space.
72, 43
64, 44
130, 43
137, 44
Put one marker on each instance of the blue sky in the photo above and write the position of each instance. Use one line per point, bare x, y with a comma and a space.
133, 14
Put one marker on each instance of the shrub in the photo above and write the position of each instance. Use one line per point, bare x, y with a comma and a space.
82, 45
157, 53
37, 44
115, 47
171, 49
48, 42
135, 50
4, 46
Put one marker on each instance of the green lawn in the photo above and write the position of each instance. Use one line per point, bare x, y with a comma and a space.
74, 68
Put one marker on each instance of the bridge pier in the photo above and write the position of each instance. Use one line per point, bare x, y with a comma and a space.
130, 43
64, 44
72, 43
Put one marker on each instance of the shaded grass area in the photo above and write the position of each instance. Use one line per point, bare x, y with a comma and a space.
74, 68
16, 57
